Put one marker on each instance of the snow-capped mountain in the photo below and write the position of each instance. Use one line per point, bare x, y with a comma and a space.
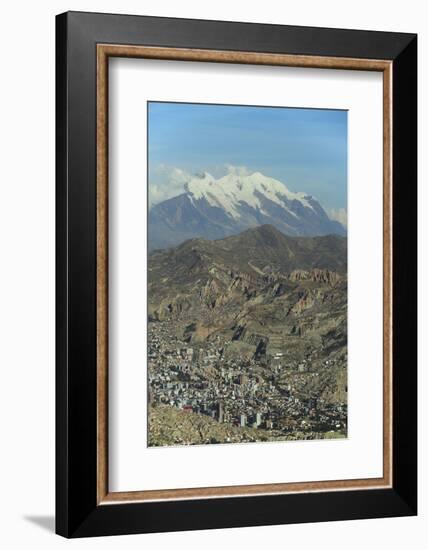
215, 208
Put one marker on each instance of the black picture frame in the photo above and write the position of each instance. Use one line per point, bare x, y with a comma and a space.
77, 511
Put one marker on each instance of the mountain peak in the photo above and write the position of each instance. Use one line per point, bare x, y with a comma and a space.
234, 190
267, 234
260, 249
214, 208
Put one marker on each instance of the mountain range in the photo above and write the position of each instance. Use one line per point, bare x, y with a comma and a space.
213, 208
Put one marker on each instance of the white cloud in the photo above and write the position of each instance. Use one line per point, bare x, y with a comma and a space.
237, 170
338, 214
166, 182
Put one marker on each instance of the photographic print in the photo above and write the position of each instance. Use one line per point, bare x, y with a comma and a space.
206, 227
247, 274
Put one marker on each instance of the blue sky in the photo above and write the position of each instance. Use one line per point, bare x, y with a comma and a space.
304, 148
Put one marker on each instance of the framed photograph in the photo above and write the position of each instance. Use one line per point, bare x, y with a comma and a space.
236, 274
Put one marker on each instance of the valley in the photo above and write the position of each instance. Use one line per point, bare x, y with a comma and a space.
247, 339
